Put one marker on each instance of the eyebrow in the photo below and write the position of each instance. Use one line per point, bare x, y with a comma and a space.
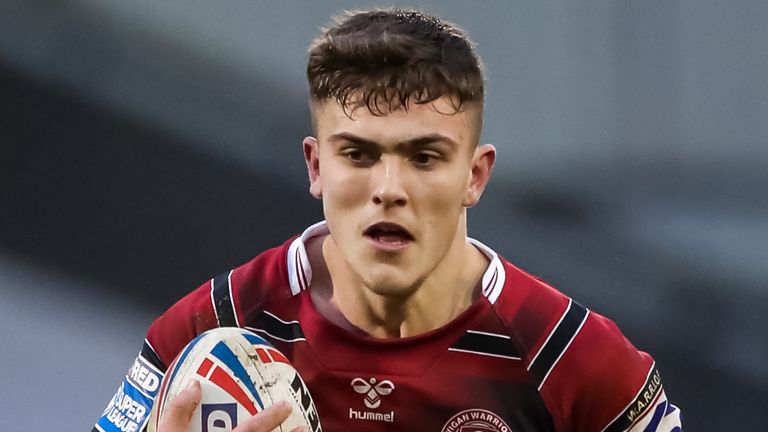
419, 141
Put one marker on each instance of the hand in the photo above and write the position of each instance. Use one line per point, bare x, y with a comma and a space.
178, 414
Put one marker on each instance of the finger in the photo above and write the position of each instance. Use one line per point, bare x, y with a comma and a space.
178, 413
266, 420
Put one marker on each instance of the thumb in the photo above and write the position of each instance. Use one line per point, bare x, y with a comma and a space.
178, 412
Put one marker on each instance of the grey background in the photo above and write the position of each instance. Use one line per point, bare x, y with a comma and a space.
147, 145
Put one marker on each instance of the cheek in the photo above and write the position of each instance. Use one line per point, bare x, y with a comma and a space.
444, 194
441, 206
342, 188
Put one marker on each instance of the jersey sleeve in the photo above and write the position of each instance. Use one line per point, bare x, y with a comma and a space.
226, 300
129, 409
589, 376
661, 416
596, 380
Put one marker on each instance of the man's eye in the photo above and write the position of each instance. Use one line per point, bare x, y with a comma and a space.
356, 155
425, 159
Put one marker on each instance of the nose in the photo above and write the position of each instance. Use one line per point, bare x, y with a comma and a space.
388, 184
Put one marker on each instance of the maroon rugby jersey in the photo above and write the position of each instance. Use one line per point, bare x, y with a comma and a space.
524, 357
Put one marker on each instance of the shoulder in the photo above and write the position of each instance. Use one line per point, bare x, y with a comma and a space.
585, 369
225, 300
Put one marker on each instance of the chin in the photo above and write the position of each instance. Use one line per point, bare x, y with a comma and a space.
392, 285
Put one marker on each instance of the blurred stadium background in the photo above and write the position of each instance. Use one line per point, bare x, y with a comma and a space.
147, 145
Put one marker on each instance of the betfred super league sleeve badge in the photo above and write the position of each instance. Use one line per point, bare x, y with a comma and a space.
129, 409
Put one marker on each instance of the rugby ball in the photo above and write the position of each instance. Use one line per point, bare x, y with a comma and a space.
240, 374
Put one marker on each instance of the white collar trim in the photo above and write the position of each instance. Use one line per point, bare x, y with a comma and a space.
300, 272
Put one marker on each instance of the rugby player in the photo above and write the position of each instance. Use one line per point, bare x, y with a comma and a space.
395, 318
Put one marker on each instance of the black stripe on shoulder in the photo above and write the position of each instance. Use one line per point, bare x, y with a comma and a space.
151, 356
222, 301
558, 341
642, 403
494, 345
286, 331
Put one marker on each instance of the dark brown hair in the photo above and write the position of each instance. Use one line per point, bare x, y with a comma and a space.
386, 59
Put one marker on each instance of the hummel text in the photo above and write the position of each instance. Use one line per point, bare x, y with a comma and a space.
374, 416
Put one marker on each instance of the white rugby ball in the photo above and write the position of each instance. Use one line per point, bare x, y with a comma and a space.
240, 374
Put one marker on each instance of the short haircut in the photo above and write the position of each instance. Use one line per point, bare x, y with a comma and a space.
384, 59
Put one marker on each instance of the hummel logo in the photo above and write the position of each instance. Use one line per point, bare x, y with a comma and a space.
372, 390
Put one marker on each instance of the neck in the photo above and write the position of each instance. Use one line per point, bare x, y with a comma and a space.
342, 294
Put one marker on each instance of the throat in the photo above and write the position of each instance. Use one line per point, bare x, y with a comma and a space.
386, 317
378, 318
343, 298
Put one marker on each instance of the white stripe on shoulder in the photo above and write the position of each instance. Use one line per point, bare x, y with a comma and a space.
484, 353
268, 334
494, 276
554, 329
503, 336
149, 363
232, 297
146, 341
568, 345
213, 303
280, 319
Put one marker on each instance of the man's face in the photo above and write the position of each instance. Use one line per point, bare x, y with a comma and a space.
395, 187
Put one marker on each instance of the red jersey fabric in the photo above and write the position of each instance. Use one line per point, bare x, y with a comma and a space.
524, 357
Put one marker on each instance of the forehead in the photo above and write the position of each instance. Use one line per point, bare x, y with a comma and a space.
438, 117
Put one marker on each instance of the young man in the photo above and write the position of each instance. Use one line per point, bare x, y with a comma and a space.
396, 320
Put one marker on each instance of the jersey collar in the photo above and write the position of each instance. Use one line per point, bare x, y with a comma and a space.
300, 272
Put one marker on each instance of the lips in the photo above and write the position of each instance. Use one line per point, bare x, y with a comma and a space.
388, 233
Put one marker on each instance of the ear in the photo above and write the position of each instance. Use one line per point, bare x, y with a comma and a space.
482, 166
312, 159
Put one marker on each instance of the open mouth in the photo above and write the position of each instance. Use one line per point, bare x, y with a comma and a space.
388, 233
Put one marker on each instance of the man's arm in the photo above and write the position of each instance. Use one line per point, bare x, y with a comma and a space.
662, 417
129, 409
593, 379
